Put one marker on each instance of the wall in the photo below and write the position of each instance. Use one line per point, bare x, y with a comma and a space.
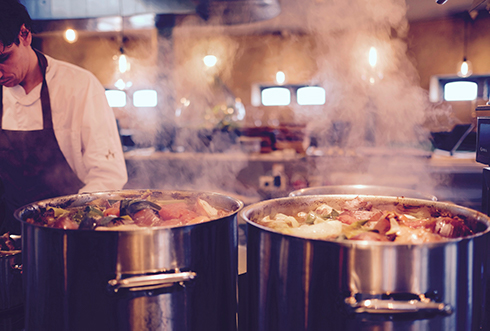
437, 47
434, 47
244, 61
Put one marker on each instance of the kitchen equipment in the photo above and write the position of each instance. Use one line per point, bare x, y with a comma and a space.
11, 295
305, 284
11, 289
161, 278
364, 190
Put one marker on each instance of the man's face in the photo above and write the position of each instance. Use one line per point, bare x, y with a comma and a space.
14, 63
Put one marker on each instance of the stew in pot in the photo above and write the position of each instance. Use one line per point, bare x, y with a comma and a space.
126, 214
359, 219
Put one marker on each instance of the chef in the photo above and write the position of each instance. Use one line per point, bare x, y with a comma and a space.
58, 134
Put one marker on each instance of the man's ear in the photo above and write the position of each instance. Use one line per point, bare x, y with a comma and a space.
25, 35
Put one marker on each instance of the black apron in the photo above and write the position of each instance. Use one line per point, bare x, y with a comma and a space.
32, 166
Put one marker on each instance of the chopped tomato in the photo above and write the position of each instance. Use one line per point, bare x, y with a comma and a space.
113, 210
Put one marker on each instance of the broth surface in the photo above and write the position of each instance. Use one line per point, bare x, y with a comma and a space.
360, 219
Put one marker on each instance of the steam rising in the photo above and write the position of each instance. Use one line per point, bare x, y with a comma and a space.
373, 128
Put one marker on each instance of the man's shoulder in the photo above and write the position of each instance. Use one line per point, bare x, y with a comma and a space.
65, 70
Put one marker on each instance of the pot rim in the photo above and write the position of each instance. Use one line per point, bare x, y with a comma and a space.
362, 189
115, 193
467, 212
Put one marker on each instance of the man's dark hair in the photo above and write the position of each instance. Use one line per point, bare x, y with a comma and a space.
13, 15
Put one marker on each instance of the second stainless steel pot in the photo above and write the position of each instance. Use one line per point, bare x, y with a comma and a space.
180, 278
304, 284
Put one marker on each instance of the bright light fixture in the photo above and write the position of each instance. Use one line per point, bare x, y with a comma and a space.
123, 63
280, 77
70, 35
460, 91
465, 68
311, 95
210, 60
276, 96
116, 98
145, 98
120, 84
373, 57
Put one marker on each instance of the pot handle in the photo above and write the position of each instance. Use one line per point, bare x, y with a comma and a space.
390, 306
150, 282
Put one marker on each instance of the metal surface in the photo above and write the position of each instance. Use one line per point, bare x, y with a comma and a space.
364, 190
389, 306
53, 15
75, 9
302, 284
230, 12
151, 282
11, 290
69, 273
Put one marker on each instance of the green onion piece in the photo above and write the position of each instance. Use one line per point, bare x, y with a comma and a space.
334, 214
58, 211
310, 219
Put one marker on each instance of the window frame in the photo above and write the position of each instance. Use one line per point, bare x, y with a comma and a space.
437, 84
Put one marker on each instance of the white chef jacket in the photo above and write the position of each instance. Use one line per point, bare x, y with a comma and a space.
84, 123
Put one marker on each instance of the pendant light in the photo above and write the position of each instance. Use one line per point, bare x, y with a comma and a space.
123, 65
465, 68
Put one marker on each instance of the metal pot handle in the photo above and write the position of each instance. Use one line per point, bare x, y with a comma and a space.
389, 306
150, 282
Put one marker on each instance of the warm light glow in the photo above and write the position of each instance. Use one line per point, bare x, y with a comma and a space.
123, 63
145, 98
280, 77
116, 98
71, 36
460, 91
276, 96
465, 69
120, 84
210, 60
311, 95
373, 57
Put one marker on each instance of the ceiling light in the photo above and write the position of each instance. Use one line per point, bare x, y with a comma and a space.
373, 57
465, 67
280, 77
70, 35
210, 60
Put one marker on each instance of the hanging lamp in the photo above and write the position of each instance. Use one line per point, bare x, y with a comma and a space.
465, 68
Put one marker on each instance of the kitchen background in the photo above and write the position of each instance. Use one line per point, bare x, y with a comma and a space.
382, 66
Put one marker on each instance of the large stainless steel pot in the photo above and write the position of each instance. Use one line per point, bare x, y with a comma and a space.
305, 284
180, 278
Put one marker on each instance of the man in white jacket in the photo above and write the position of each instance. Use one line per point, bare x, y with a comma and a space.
58, 134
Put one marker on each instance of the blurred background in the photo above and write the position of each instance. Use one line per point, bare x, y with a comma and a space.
256, 98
